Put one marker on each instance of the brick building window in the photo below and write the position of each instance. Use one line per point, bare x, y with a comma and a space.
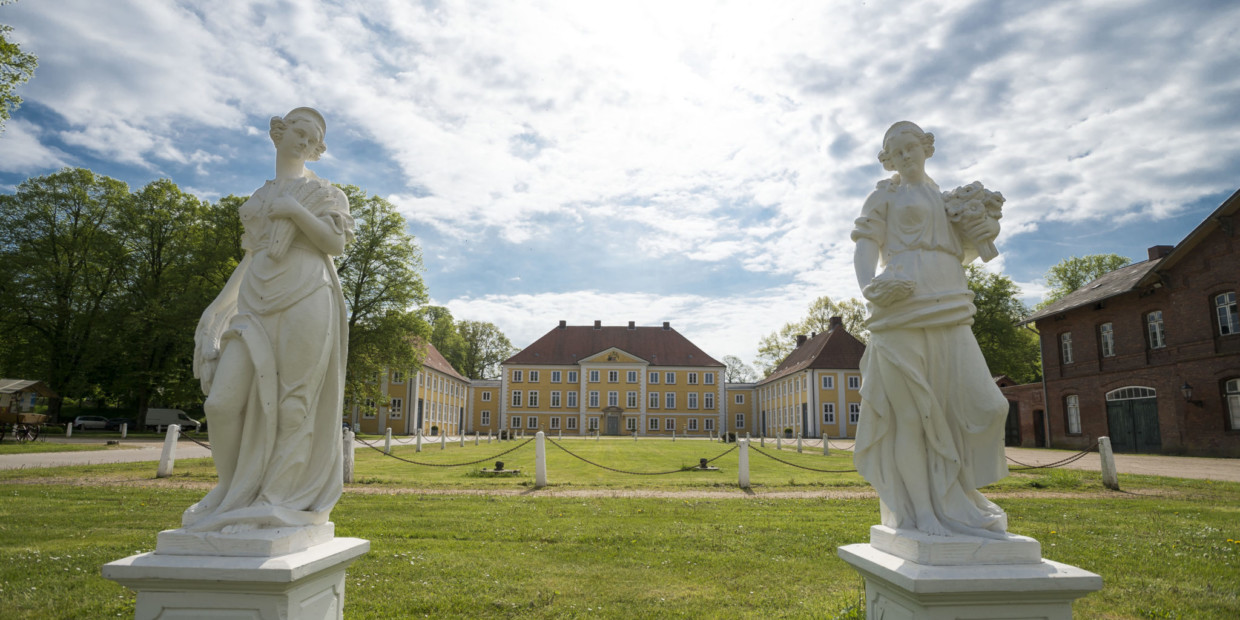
1154, 329
1231, 392
1225, 309
1065, 348
1072, 409
1106, 339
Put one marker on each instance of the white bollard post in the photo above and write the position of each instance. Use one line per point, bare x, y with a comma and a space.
475, 439
443, 440
826, 450
597, 434
540, 461
419, 442
561, 434
799, 444
742, 467
634, 436
387, 441
124, 430
779, 441
169, 456
69, 429
762, 440
673, 435
488, 437
1110, 477
346, 444
462, 439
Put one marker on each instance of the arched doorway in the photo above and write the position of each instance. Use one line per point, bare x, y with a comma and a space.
1132, 417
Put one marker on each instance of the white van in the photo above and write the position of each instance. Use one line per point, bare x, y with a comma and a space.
160, 418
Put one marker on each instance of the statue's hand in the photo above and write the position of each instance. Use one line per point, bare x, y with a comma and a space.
888, 289
982, 229
285, 206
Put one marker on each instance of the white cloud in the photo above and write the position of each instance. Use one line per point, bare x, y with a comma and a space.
21, 150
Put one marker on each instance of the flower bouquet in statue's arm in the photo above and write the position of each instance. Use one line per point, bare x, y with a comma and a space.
975, 211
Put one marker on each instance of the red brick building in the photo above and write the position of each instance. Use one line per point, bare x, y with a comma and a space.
1149, 354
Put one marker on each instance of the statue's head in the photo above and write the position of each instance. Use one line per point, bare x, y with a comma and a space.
927, 141
301, 115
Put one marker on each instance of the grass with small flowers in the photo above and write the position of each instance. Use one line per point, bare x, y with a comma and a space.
594, 544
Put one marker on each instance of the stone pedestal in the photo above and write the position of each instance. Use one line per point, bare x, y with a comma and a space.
912, 576
300, 585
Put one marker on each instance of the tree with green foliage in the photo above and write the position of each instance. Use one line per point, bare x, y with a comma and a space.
484, 348
63, 270
1074, 272
1009, 349
16, 68
737, 371
380, 273
774, 347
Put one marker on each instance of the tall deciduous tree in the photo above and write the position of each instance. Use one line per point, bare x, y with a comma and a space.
774, 347
63, 265
1074, 272
1009, 350
382, 281
738, 371
16, 68
484, 348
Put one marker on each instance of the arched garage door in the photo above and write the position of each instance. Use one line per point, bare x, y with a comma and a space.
1132, 416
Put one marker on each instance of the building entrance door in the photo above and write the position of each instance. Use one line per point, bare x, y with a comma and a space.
611, 423
1011, 435
1039, 429
1132, 417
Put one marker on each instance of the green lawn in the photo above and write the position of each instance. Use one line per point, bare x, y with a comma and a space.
1166, 548
30, 447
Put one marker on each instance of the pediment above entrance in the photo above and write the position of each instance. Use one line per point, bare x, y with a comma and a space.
613, 355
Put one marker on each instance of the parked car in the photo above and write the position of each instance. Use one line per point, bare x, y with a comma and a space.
94, 422
115, 424
159, 418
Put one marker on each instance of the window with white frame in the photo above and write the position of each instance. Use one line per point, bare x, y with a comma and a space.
593, 423
654, 401
555, 422
593, 399
710, 424
828, 382
631, 376
693, 400
1106, 339
708, 400
1065, 348
533, 376
1231, 392
738, 399
572, 376
653, 377
1072, 408
652, 424
397, 409
398, 376
368, 408
828, 413
516, 376
515, 421
1225, 310
613, 398
613, 376
486, 418
669, 400
854, 382
669, 378
532, 399
556, 376
570, 398
486, 397
630, 424
593, 376
693, 424
555, 399
516, 398
854, 412
692, 378
670, 424
572, 423
708, 378
740, 420
630, 400
531, 422
1154, 328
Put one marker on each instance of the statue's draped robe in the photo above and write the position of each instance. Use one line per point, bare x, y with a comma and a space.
289, 467
923, 357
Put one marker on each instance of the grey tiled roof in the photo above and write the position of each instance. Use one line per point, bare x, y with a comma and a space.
1115, 283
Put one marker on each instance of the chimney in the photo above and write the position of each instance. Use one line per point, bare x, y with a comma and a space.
598, 325
800, 340
837, 322
563, 323
813, 335
667, 325
632, 325
1160, 251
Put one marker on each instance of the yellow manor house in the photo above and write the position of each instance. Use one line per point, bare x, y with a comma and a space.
620, 380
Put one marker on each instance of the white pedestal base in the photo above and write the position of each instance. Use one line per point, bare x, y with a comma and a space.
899, 589
302, 585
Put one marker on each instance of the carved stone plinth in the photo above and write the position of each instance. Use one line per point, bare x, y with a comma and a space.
898, 588
302, 585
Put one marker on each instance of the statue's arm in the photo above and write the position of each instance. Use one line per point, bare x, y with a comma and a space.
870, 230
321, 231
865, 261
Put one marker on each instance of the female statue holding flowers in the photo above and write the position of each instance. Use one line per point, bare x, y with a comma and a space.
270, 350
932, 419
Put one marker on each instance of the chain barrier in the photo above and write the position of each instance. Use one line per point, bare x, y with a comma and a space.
489, 458
839, 448
635, 473
825, 471
184, 436
1060, 463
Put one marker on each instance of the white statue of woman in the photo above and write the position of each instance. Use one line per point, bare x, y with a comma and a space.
932, 419
270, 350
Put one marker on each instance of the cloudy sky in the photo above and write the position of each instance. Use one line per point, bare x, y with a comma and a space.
692, 162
